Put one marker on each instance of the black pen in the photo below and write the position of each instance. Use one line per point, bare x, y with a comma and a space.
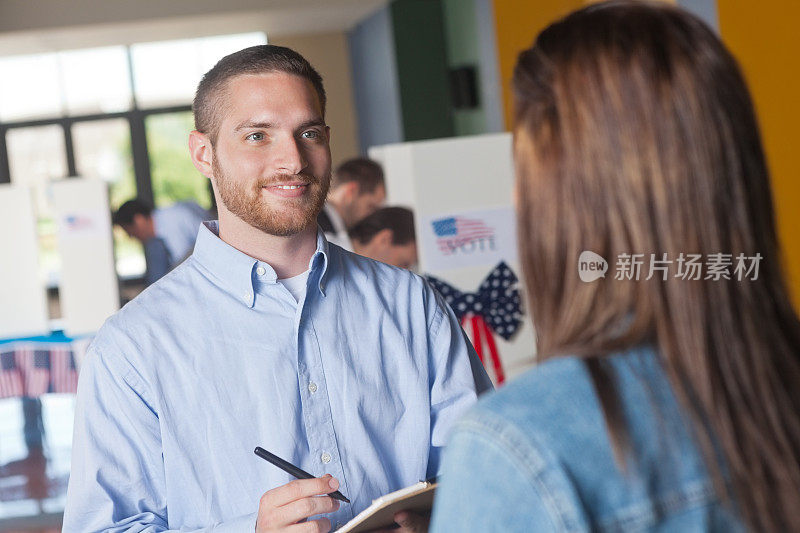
289, 468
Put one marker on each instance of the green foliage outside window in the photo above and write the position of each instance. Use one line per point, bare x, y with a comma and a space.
173, 174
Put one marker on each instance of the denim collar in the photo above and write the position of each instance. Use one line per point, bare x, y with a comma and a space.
235, 270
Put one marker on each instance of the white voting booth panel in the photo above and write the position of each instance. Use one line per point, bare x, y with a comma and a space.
88, 286
23, 301
468, 180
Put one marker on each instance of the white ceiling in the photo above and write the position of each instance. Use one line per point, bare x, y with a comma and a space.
46, 25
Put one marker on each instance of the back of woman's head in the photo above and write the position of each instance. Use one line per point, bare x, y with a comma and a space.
635, 134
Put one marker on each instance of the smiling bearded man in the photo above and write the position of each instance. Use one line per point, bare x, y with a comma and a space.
267, 335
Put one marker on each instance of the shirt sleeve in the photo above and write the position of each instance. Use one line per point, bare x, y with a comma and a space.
487, 484
457, 375
117, 476
156, 258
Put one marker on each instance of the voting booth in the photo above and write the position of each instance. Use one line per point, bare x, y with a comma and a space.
23, 301
461, 192
87, 281
88, 286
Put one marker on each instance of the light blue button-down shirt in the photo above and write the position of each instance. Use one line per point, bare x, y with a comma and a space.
362, 379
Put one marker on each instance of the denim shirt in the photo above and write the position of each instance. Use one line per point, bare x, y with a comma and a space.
536, 456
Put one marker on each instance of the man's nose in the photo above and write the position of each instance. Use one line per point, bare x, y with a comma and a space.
290, 158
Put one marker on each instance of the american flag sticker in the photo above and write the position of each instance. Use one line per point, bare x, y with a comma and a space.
454, 232
78, 222
479, 237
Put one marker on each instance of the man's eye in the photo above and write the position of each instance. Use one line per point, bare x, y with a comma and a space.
256, 136
311, 134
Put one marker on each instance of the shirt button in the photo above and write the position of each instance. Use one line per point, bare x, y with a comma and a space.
312, 387
246, 297
326, 458
261, 271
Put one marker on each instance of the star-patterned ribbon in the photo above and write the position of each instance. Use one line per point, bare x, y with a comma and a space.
494, 308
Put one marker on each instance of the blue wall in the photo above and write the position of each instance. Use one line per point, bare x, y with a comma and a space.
375, 81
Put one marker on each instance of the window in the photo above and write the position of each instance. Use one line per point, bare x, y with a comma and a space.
167, 73
174, 176
86, 92
37, 156
29, 87
103, 150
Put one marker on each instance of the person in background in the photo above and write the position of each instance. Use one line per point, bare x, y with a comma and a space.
664, 400
387, 235
357, 190
266, 336
167, 233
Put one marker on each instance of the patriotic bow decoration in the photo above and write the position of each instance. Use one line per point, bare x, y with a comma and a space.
494, 308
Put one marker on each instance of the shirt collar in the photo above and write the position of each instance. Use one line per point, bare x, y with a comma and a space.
320, 260
235, 270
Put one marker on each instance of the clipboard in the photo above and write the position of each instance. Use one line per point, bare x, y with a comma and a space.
380, 514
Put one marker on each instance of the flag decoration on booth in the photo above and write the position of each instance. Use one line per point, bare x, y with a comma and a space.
32, 369
10, 376
494, 308
454, 231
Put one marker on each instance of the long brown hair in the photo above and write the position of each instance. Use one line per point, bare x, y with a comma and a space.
635, 133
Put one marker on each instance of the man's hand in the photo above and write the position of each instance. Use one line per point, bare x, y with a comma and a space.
284, 508
410, 522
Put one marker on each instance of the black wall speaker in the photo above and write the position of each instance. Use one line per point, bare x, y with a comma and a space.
464, 87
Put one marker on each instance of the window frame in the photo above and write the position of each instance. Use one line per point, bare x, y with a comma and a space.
136, 123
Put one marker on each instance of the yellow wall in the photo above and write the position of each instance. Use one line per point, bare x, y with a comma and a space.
517, 22
763, 37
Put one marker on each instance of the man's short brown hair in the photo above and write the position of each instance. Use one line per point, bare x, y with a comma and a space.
209, 104
366, 172
398, 219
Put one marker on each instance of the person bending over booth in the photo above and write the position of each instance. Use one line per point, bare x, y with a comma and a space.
166, 233
387, 235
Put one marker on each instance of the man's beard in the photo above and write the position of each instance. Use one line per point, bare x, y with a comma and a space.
247, 201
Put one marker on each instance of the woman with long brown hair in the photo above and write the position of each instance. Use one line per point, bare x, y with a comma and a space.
668, 391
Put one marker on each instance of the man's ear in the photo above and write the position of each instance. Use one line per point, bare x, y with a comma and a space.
383, 238
202, 153
350, 191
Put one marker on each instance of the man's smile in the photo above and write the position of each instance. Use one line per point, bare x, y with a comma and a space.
287, 190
